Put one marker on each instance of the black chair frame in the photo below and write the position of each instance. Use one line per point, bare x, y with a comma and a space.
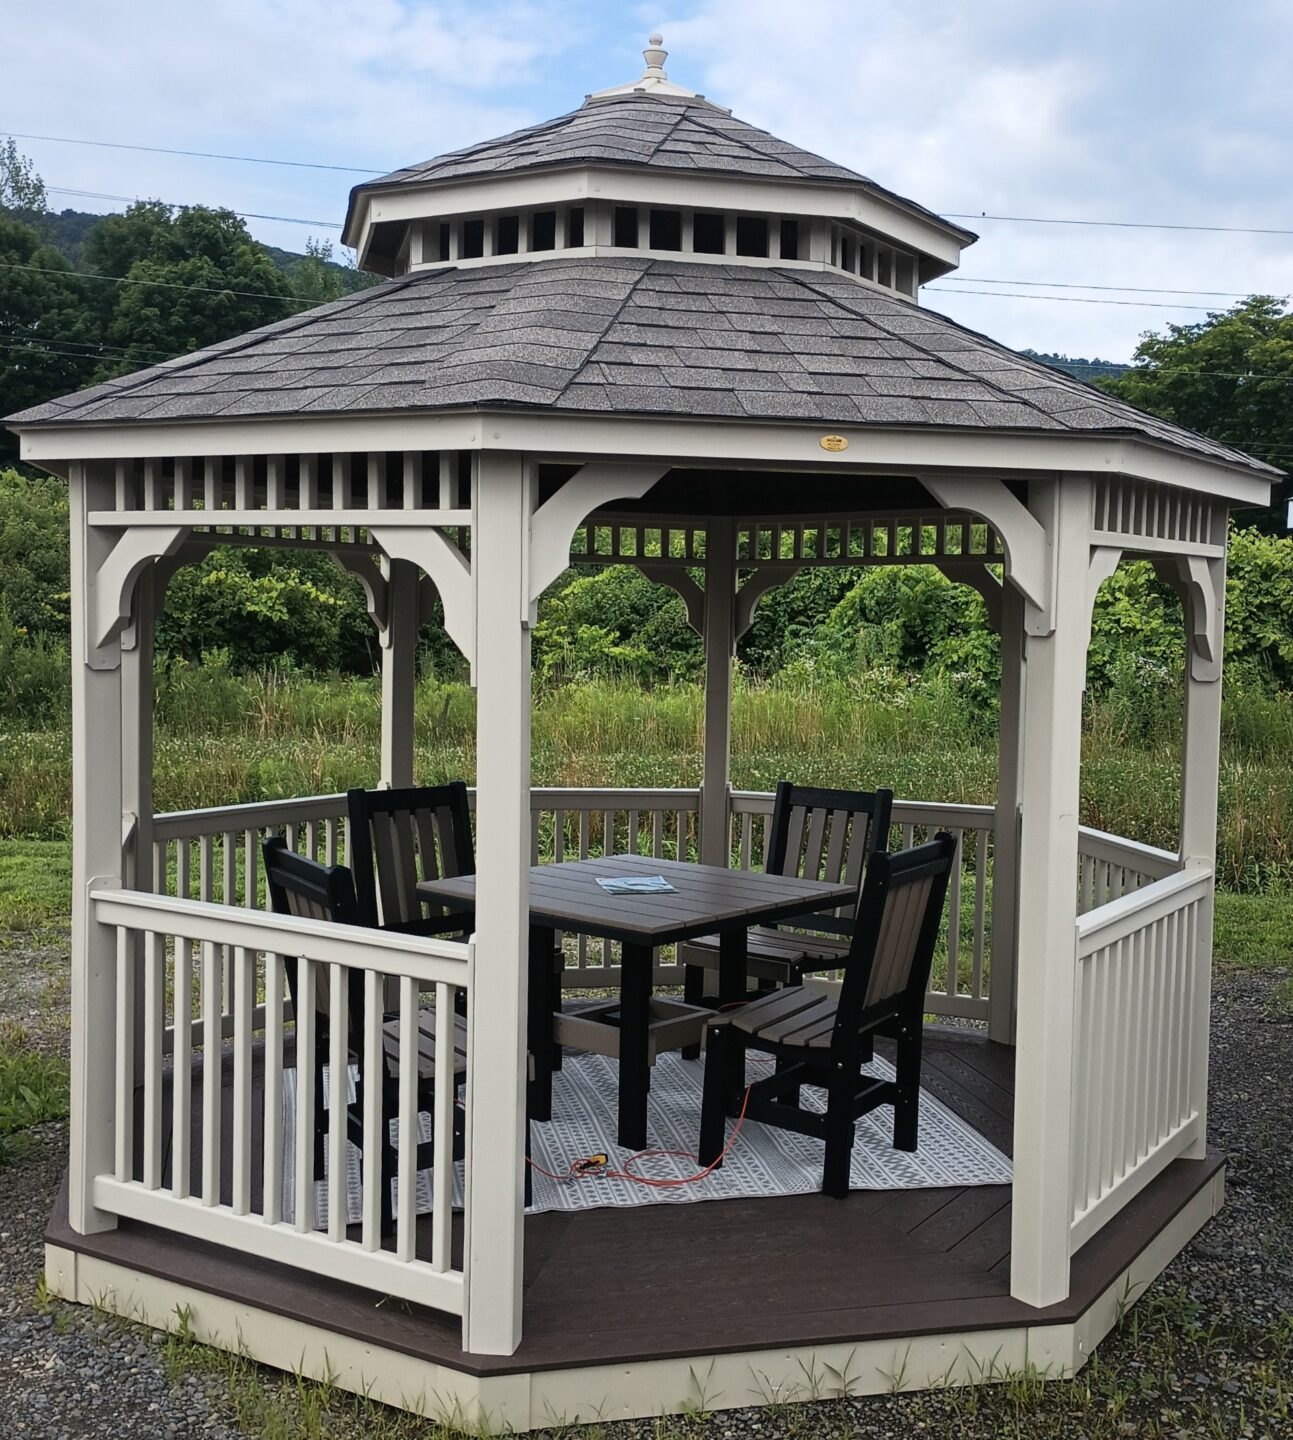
835, 1067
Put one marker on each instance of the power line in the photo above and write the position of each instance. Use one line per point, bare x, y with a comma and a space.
192, 154
1076, 285
1072, 299
1116, 224
358, 170
181, 205
163, 284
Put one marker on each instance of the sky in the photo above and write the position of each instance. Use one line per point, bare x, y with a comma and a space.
1173, 112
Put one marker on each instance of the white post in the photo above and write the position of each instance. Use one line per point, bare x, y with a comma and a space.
1200, 767
96, 857
1047, 906
137, 758
505, 491
1005, 852
719, 637
399, 673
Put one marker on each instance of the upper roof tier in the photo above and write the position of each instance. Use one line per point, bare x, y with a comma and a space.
650, 144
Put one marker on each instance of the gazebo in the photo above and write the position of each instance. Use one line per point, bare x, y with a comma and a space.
644, 333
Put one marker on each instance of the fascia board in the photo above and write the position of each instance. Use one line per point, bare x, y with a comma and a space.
670, 438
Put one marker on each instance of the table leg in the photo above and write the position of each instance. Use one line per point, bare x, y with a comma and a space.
635, 1020
539, 1019
733, 986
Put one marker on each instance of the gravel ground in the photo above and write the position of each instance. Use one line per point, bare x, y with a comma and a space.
1207, 1353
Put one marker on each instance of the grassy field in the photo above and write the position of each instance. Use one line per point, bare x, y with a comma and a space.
223, 738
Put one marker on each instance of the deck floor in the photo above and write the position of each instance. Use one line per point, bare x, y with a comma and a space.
653, 1282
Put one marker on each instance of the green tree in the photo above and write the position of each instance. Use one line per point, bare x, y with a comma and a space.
317, 279
192, 277
1229, 377
48, 339
21, 188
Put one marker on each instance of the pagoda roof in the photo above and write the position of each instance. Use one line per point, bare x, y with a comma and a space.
644, 129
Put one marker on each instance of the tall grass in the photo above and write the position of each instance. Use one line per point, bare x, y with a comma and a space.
223, 738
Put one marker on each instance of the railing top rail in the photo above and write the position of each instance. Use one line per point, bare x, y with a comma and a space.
623, 797
758, 802
1149, 859
179, 824
1119, 918
424, 958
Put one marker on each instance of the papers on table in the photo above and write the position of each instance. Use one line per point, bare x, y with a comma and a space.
635, 884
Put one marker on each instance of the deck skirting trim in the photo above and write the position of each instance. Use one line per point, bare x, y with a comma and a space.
526, 1400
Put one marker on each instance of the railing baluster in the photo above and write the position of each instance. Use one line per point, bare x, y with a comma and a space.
182, 1062
154, 1023
212, 1013
442, 1168
244, 1001
338, 1101
125, 1098
406, 1166
272, 1158
375, 1142
306, 1099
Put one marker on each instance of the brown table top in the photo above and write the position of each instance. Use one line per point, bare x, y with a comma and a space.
705, 898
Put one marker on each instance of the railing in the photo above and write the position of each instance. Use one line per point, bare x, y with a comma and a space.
187, 1160
959, 985
213, 856
1110, 867
1140, 1037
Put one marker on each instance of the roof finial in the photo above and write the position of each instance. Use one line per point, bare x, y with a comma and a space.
655, 57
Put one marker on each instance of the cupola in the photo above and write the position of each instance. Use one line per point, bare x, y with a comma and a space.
648, 168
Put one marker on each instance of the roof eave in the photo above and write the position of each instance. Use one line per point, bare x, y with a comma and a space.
545, 430
352, 228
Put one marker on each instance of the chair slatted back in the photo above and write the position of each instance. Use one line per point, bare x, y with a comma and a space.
399, 837
894, 934
308, 890
827, 835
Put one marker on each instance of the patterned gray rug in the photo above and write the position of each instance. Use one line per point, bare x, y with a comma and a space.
763, 1161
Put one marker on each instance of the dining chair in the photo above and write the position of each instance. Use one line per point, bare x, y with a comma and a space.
817, 834
397, 838
303, 887
823, 1039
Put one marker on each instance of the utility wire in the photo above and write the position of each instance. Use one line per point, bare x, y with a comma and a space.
163, 284
181, 205
1076, 285
1072, 299
1116, 224
948, 214
193, 154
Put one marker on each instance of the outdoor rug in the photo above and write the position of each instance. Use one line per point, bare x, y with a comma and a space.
764, 1161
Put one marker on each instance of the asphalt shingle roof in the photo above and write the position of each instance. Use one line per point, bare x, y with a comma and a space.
660, 132
631, 336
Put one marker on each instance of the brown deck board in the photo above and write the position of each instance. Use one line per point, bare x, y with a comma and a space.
619, 1285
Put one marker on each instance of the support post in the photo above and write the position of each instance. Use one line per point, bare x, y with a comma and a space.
1005, 828
504, 501
96, 856
399, 673
1200, 770
719, 637
137, 758
1048, 857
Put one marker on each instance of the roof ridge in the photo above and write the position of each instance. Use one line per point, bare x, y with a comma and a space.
646, 269
669, 133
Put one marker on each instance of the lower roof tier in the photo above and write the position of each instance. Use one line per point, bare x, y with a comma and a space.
625, 336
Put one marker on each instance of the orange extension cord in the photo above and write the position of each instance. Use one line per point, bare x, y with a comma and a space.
591, 1168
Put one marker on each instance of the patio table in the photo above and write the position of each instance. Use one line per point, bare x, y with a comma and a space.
706, 899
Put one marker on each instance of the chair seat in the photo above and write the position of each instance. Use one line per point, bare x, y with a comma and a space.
798, 1015
426, 1045
595, 1028
777, 955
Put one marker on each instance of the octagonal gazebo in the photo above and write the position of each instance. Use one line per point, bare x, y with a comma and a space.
644, 333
